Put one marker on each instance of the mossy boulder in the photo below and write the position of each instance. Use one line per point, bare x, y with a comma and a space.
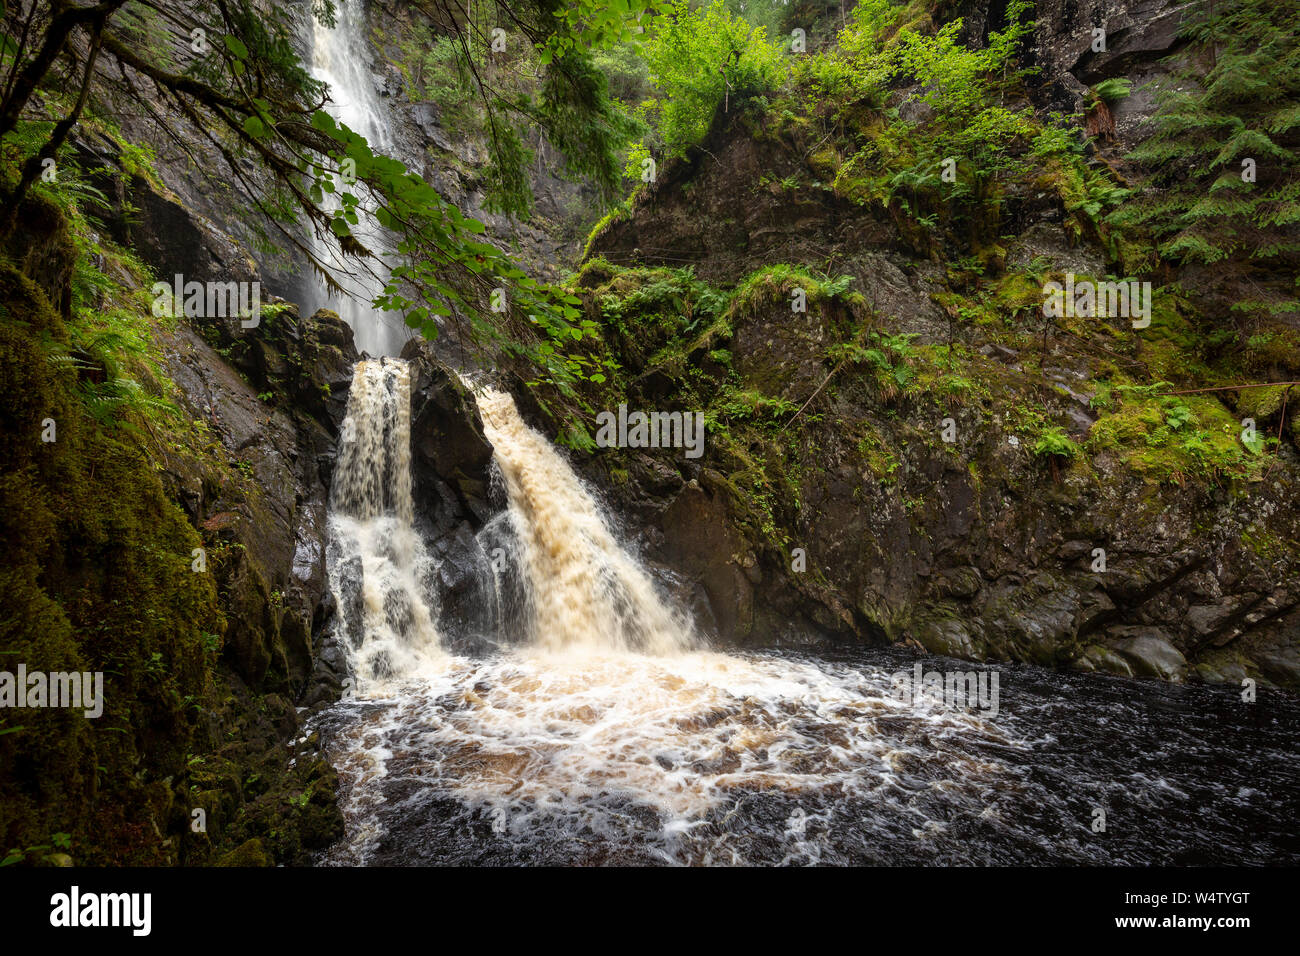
249, 853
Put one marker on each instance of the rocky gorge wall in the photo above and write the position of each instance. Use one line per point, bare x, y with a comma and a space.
983, 546
186, 562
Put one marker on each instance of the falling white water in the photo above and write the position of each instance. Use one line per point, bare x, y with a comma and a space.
585, 590
341, 58
379, 571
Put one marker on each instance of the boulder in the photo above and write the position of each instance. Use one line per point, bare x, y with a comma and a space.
1149, 653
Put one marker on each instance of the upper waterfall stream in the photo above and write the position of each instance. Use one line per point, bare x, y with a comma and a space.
340, 58
602, 732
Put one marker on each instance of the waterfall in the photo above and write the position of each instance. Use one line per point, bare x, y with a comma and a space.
584, 590
341, 57
379, 571
604, 734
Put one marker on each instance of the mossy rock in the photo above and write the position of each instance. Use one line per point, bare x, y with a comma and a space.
96, 577
1095, 657
249, 853
947, 636
825, 164
1150, 654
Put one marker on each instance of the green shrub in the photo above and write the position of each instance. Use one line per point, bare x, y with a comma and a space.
698, 58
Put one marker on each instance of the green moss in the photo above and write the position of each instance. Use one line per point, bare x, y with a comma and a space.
96, 573
1267, 543
1262, 403
96, 569
249, 853
1171, 345
777, 283
1273, 349
594, 272
953, 377
877, 456
825, 164
1174, 438
861, 179
1018, 292
619, 213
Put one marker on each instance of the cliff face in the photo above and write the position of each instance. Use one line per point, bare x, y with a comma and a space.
1071, 56
979, 483
182, 556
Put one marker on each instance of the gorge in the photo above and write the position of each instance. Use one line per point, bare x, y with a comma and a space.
626, 417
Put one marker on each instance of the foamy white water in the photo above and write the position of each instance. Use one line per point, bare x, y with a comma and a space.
605, 714
550, 748
379, 571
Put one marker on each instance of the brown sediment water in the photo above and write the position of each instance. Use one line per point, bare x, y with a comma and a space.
588, 593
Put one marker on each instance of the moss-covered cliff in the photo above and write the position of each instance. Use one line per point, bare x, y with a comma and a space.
903, 443
139, 543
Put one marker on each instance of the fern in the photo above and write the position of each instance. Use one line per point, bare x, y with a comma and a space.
1055, 442
1224, 154
1109, 91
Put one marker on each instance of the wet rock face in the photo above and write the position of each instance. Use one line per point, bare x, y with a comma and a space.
1138, 35
452, 156
275, 413
41, 250
174, 239
696, 533
451, 456
783, 357
272, 400
451, 473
